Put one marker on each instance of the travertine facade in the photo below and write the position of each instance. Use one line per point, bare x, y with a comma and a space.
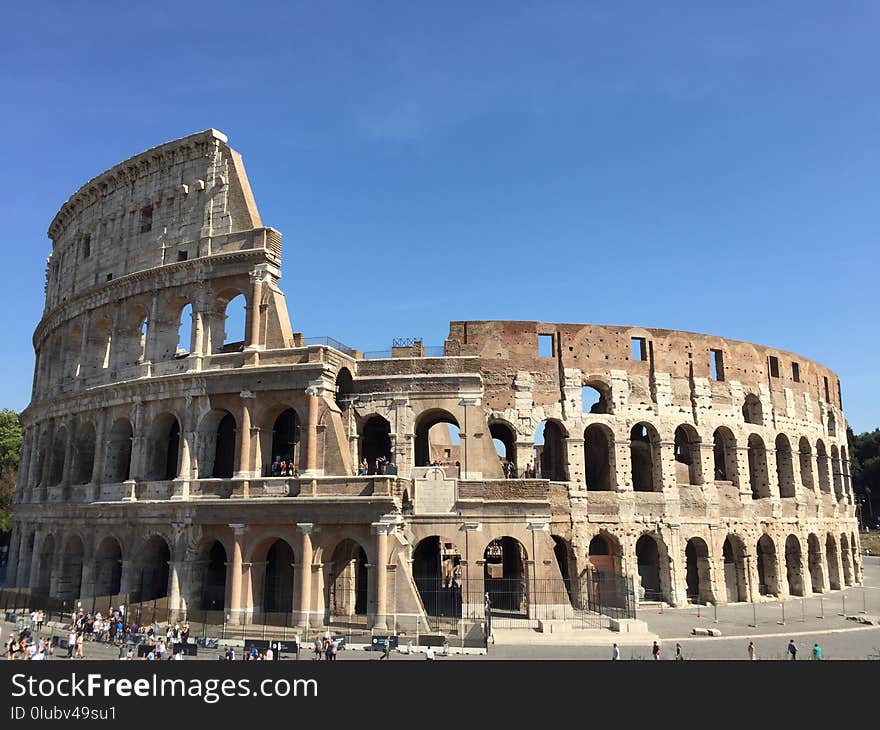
707, 469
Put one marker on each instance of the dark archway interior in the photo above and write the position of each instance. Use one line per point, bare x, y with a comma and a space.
214, 586
793, 566
153, 579
642, 459
348, 583
423, 427
376, 441
172, 449
437, 574
735, 578
344, 388
108, 568
70, 583
565, 561
597, 452
285, 436
648, 561
552, 458
224, 450
118, 460
278, 586
504, 576
766, 558
503, 433
85, 455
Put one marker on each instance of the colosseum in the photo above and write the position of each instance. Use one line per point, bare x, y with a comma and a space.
557, 472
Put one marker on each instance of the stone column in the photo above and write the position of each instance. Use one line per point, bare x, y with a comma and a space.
22, 569
574, 454
254, 314
138, 444
34, 576
315, 393
152, 329
380, 571
234, 574
304, 576
68, 453
245, 470
743, 475
11, 578
100, 452
176, 600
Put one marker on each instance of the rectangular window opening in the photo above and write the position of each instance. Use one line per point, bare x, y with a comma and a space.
839, 395
545, 345
146, 219
109, 277
827, 394
638, 348
774, 366
716, 364
182, 255
796, 372
86, 246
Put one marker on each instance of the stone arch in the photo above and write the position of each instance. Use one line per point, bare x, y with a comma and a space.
767, 563
286, 436
814, 562
436, 570
505, 577
550, 458
836, 476
164, 440
805, 457
348, 583
501, 431
604, 553
752, 410
73, 368
100, 343
831, 561
59, 452
218, 431
735, 574
698, 571
374, 440
70, 581
25, 559
131, 347
108, 567
344, 388
600, 464
822, 467
228, 331
688, 469
274, 594
758, 478
845, 559
794, 566
784, 466
724, 454
45, 565
854, 553
567, 564
84, 459
832, 425
426, 421
151, 579
117, 462
596, 396
213, 564
645, 458
652, 561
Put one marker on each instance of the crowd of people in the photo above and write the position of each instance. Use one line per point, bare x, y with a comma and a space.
283, 467
381, 465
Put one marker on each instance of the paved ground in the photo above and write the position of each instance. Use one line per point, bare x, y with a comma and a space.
818, 619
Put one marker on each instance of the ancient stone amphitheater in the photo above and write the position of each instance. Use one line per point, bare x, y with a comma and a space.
668, 466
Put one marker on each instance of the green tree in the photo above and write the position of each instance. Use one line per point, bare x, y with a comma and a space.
10, 452
865, 467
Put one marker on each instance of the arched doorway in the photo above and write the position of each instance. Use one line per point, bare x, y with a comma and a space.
375, 442
766, 559
550, 451
504, 575
598, 457
735, 578
85, 454
153, 574
213, 596
567, 565
687, 456
344, 388
438, 578
504, 439
784, 466
286, 437
758, 467
845, 560
434, 442
648, 565
822, 467
724, 453
831, 559
698, 571
108, 567
118, 459
347, 584
644, 445
224, 448
70, 581
805, 457
165, 447
836, 474
814, 560
44, 566
794, 570
278, 581
752, 410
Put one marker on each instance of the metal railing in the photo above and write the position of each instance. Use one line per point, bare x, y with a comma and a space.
329, 342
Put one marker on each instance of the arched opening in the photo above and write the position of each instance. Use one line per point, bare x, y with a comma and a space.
752, 410
550, 451
648, 565
599, 468
595, 398
344, 388
70, 581
100, 335
724, 453
832, 425
603, 554
566, 563
784, 467
735, 577
165, 439
375, 443
214, 582
235, 313
758, 467
805, 457
687, 456
766, 558
184, 331
437, 439
117, 465
59, 446
814, 560
224, 448
108, 568
831, 560
286, 438
72, 365
794, 570
85, 454
44, 565
504, 440
347, 586
437, 574
844, 468
644, 447
504, 576
822, 467
133, 338
697, 571
836, 474
278, 583
153, 575
845, 560
854, 553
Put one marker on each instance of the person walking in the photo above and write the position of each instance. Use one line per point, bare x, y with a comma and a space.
678, 655
429, 653
386, 650
615, 653
817, 651
753, 655
792, 649
655, 651
71, 644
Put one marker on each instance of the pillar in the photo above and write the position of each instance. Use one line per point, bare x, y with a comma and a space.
234, 574
304, 576
254, 314
10, 578
100, 451
380, 570
176, 601
245, 470
309, 462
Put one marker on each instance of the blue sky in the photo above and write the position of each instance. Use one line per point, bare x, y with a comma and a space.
669, 164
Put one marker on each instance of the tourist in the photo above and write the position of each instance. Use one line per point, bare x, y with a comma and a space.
270, 655
429, 653
792, 649
817, 651
363, 468
317, 649
655, 651
678, 654
40, 620
615, 653
184, 633
753, 654
275, 469
283, 467
71, 644
79, 646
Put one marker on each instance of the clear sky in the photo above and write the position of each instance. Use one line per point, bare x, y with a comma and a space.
664, 164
